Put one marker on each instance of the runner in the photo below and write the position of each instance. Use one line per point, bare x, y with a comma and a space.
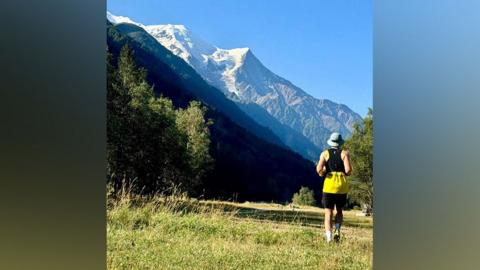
334, 164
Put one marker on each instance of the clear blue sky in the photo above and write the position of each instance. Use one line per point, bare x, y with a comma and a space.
324, 47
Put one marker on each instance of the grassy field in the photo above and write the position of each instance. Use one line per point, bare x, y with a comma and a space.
181, 233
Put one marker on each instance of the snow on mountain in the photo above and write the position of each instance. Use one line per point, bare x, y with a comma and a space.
179, 40
120, 19
243, 78
217, 66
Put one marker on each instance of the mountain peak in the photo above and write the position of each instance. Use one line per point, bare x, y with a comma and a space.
181, 41
178, 31
240, 51
173, 27
185, 44
121, 19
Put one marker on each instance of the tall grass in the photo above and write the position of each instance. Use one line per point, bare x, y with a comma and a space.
177, 232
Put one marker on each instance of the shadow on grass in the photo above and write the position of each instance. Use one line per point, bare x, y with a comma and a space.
281, 215
295, 216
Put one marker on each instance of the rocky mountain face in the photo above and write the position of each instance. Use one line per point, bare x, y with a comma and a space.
314, 118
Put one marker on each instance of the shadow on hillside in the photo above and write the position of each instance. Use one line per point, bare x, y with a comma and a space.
295, 216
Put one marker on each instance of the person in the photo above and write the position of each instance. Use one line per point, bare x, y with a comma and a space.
334, 164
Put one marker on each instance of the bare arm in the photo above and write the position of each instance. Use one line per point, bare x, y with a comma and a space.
320, 165
346, 162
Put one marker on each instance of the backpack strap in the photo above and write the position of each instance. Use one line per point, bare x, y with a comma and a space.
335, 162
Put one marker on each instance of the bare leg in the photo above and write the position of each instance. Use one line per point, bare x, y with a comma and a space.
328, 224
338, 223
328, 219
339, 217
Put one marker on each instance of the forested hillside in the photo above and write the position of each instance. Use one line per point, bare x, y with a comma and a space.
152, 144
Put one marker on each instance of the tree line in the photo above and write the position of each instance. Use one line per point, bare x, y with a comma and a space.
151, 146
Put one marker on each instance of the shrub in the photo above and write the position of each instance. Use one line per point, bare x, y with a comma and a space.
304, 196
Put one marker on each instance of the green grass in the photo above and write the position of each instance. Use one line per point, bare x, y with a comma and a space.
180, 233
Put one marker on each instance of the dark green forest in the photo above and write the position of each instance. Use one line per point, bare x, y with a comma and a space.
167, 128
150, 144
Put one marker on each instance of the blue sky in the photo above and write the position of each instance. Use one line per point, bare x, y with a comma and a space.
324, 47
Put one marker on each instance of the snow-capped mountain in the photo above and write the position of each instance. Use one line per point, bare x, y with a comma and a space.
216, 65
120, 19
244, 79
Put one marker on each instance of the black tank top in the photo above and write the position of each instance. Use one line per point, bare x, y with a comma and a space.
335, 162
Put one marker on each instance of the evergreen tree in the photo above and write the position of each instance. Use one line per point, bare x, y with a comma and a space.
149, 143
360, 146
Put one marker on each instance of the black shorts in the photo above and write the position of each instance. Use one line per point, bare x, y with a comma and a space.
331, 200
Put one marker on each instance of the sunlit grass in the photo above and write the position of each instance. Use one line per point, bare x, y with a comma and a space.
181, 233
